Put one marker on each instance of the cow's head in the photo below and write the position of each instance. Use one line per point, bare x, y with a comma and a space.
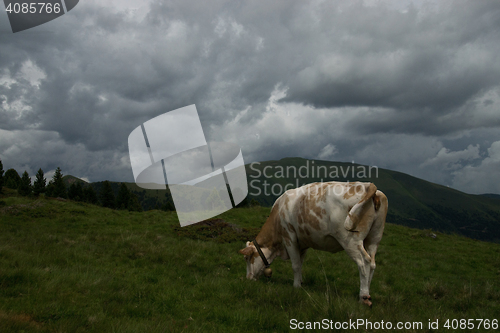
255, 265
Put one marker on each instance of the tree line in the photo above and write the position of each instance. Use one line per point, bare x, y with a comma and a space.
100, 193
56, 188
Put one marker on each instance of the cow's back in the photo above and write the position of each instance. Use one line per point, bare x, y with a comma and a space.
314, 215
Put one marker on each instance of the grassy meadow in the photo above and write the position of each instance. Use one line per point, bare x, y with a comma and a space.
74, 267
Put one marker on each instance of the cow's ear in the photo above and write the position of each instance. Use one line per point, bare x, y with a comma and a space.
247, 251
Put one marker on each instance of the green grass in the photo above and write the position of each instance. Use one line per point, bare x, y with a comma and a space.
74, 267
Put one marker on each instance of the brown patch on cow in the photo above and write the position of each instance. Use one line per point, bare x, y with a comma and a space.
282, 215
307, 204
319, 191
318, 211
370, 192
247, 251
325, 185
269, 234
350, 191
250, 251
300, 210
300, 218
353, 190
272, 233
287, 200
314, 223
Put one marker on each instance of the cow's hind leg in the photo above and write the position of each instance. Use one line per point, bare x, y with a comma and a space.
372, 250
358, 253
371, 245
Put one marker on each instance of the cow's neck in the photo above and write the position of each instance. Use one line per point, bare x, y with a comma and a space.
270, 234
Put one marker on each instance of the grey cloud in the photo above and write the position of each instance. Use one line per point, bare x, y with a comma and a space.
382, 57
385, 84
483, 177
30, 150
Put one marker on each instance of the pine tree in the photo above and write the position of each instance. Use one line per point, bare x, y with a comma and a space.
168, 206
24, 187
254, 203
49, 189
39, 183
75, 191
12, 179
90, 195
11, 183
79, 192
59, 190
1, 176
72, 191
107, 196
169, 202
123, 198
134, 205
244, 204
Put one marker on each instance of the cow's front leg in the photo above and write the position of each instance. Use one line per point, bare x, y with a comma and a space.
295, 258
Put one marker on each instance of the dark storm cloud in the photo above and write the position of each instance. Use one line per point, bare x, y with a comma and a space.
386, 58
404, 86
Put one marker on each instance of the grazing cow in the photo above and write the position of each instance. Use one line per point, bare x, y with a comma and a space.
330, 216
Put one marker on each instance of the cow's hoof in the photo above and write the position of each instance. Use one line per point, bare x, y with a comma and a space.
366, 300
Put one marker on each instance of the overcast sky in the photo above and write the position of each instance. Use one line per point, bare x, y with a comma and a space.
409, 86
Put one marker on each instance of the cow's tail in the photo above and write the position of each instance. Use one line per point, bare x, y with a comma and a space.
361, 214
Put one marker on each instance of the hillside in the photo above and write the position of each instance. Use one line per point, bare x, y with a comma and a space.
413, 202
149, 199
73, 267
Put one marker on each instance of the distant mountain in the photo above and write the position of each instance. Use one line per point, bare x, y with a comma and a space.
491, 195
68, 180
413, 202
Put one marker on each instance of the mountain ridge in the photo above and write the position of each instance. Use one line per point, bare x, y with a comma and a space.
413, 202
